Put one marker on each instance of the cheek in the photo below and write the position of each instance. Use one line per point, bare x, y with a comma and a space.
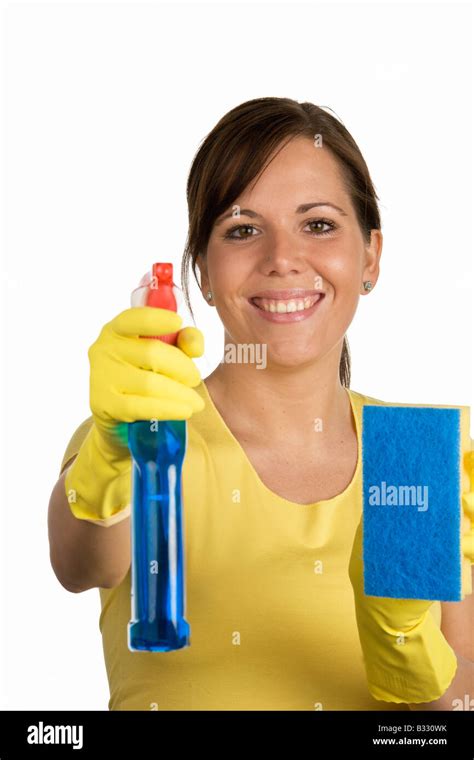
343, 276
229, 274
342, 271
342, 263
344, 307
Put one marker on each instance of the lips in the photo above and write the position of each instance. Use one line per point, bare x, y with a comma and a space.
293, 309
287, 294
286, 306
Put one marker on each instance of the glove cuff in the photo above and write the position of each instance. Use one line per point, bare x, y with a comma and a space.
97, 483
417, 666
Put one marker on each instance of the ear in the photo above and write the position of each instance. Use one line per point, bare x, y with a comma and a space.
373, 253
201, 264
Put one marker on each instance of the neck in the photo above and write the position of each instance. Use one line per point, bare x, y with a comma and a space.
284, 403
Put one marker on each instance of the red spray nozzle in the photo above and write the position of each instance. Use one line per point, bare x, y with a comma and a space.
158, 290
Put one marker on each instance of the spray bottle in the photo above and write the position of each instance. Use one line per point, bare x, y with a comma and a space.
157, 448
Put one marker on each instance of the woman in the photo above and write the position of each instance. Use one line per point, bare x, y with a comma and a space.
284, 229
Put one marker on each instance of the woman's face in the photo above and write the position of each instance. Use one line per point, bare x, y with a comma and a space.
274, 246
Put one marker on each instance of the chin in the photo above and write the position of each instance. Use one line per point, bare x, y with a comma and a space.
291, 357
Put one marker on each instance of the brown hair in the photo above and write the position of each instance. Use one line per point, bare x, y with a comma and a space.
236, 151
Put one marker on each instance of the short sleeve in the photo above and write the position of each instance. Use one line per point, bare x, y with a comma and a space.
76, 442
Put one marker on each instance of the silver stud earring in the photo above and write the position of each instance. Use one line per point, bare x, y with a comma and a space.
367, 285
209, 295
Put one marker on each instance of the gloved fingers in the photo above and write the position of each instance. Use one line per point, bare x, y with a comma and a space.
467, 541
469, 461
145, 320
468, 504
191, 341
143, 353
465, 524
468, 545
128, 380
131, 408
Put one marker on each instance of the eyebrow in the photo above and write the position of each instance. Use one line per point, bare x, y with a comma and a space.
302, 209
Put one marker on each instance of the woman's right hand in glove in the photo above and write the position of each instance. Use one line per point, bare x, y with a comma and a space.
131, 378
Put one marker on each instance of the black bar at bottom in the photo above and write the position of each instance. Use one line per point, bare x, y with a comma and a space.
65, 734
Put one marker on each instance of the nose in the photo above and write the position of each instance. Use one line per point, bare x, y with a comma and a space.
280, 256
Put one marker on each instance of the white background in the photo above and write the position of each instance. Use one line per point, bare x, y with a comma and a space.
104, 106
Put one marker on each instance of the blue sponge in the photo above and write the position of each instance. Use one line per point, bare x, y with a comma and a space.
411, 465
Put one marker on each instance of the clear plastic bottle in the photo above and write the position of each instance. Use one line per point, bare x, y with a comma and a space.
157, 448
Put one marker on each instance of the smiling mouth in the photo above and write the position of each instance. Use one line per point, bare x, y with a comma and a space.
286, 306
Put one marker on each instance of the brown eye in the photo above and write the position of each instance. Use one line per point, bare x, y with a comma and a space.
325, 222
229, 234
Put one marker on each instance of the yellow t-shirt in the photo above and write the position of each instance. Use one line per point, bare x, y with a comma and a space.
268, 596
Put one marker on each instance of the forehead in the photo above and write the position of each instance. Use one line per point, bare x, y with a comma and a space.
295, 174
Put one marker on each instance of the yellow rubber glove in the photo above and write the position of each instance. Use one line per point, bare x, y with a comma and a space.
131, 378
468, 506
406, 656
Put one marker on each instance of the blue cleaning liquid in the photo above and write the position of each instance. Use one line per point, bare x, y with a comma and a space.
158, 590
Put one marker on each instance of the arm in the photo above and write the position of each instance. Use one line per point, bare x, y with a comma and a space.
131, 379
457, 626
408, 656
84, 555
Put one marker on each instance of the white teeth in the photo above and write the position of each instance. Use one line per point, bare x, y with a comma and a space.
286, 307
